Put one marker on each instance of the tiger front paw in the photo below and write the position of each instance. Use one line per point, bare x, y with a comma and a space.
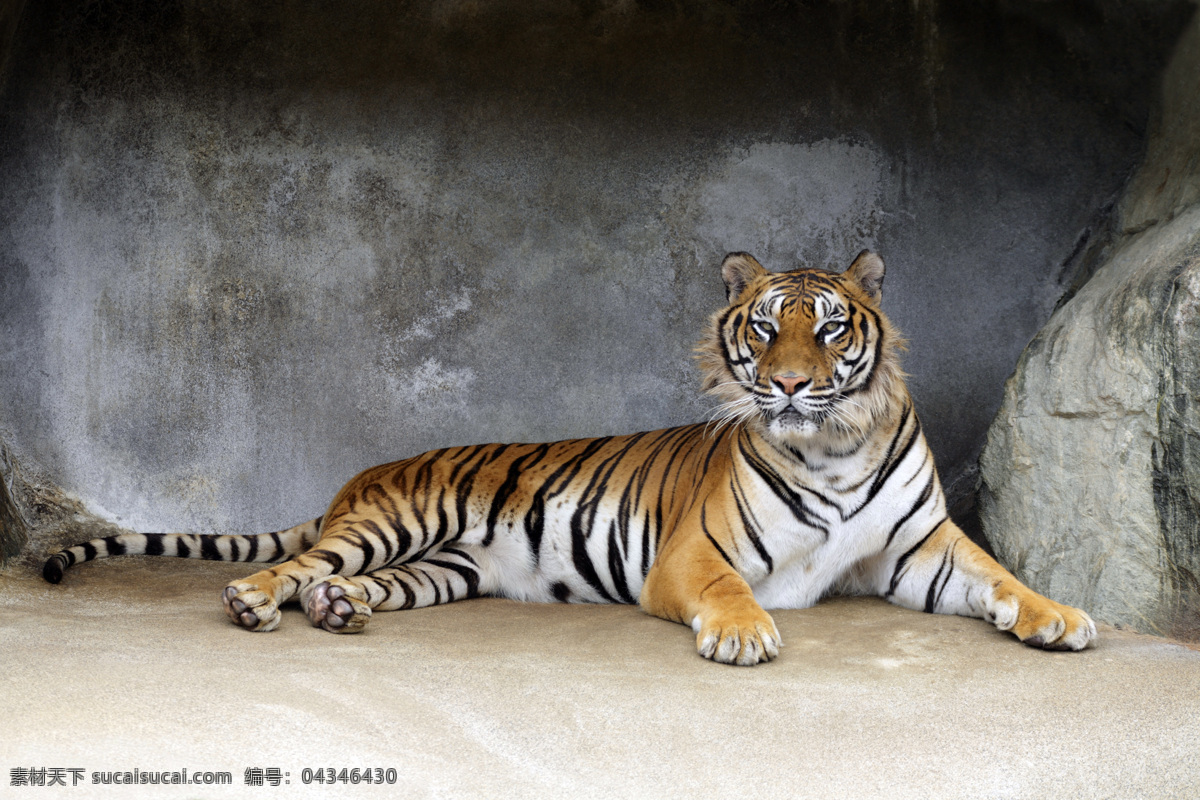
249, 607
338, 606
1040, 622
742, 639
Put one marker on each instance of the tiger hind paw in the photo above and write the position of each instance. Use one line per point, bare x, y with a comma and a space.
338, 606
249, 607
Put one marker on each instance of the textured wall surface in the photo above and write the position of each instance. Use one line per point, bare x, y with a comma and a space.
251, 248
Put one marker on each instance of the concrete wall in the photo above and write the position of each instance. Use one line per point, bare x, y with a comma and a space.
251, 248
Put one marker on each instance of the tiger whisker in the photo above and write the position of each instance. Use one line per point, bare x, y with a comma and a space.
840, 415
729, 412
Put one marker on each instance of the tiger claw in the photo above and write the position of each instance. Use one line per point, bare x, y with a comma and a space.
743, 642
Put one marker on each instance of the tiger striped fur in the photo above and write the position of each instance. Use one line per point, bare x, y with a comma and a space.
813, 478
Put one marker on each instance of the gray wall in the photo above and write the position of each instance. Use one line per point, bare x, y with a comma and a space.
251, 248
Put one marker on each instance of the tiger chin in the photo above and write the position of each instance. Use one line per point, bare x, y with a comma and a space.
813, 478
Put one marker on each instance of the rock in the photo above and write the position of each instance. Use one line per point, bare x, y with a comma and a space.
14, 533
1091, 472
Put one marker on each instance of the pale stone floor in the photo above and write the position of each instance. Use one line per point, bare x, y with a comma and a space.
130, 663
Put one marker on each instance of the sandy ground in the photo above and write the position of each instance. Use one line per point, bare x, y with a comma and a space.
130, 664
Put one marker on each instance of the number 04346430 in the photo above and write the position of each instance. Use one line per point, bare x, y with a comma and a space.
356, 775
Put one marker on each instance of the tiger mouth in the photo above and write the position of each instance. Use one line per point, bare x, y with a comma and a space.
794, 416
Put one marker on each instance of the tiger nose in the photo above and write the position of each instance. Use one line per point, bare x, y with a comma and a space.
790, 382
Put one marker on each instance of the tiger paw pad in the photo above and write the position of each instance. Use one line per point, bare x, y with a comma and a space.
250, 608
338, 607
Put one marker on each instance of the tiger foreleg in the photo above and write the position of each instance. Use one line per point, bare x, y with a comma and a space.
344, 604
692, 582
947, 573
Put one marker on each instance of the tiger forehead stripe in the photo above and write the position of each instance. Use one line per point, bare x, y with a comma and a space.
801, 288
770, 304
826, 305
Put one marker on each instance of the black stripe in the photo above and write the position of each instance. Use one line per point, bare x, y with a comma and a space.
291, 579
534, 519
252, 550
329, 557
509, 486
903, 560
887, 465
181, 548
616, 565
796, 454
920, 501
625, 509
732, 357
932, 598
386, 538
536, 516
924, 460
443, 528
584, 517
469, 575
465, 556
437, 591
154, 544
279, 552
421, 478
463, 492
704, 527
52, 570
581, 559
368, 549
791, 499
381, 586
208, 548
877, 355
750, 524
461, 459
114, 545
646, 560
410, 598
717, 442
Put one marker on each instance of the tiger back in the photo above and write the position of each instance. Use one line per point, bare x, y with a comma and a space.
813, 477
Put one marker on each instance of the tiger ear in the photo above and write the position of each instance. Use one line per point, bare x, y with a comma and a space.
738, 269
867, 274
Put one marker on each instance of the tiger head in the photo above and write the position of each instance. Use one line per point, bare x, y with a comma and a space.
802, 354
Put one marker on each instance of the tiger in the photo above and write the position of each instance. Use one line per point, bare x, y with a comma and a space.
812, 478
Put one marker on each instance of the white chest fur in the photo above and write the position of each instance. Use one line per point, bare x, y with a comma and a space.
851, 509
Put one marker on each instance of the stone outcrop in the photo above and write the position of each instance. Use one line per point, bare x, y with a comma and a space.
13, 530
1091, 472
